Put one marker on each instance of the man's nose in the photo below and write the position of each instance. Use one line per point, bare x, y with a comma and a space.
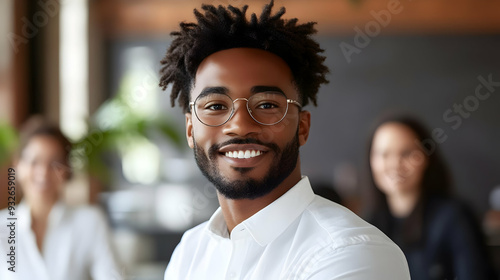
241, 123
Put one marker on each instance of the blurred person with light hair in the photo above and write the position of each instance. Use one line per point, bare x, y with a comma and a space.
52, 240
411, 203
242, 84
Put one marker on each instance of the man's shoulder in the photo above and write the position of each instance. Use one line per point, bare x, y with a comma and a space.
196, 230
340, 226
192, 239
193, 235
335, 241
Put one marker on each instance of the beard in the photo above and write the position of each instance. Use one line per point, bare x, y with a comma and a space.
248, 188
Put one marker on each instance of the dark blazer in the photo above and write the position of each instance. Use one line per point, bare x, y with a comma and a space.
440, 239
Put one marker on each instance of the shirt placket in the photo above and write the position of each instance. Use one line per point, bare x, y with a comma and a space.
239, 244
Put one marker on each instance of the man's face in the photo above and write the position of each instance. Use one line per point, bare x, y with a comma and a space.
271, 151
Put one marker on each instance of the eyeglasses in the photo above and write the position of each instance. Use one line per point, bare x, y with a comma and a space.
266, 108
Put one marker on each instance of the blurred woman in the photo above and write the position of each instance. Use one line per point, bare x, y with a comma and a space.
413, 207
53, 241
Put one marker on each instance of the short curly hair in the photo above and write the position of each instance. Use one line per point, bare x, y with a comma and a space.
220, 28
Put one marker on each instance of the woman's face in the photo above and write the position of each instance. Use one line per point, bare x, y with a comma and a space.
396, 159
41, 168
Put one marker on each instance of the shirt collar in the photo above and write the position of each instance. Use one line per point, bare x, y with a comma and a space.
217, 225
267, 224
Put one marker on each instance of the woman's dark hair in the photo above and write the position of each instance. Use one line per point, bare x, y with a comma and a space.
435, 182
37, 126
221, 28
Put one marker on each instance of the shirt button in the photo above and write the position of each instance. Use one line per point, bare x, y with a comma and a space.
232, 275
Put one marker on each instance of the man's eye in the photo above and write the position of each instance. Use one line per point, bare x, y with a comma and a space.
216, 107
267, 105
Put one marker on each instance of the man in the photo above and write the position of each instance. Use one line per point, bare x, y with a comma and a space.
242, 84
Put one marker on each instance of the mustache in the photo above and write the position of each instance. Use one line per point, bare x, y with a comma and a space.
214, 148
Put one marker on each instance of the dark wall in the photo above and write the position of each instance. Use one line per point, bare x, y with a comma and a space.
421, 75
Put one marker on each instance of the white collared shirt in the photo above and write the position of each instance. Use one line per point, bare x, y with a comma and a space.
298, 236
76, 246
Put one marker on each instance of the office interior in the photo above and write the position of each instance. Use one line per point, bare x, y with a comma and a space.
92, 66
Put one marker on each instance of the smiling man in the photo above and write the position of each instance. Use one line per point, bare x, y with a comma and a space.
243, 85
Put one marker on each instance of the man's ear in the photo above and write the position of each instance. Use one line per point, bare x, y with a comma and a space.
189, 130
304, 126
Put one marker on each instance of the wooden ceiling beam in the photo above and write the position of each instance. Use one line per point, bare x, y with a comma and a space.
159, 17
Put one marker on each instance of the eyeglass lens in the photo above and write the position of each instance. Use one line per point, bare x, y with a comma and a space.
265, 107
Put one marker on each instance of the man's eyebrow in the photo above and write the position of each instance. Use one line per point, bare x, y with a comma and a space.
209, 90
257, 89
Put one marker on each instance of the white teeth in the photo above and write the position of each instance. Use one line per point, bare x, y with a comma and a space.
243, 154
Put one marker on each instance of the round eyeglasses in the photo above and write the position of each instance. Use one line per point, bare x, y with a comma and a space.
266, 108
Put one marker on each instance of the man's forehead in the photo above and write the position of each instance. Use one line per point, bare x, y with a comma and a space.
251, 56
232, 62
253, 90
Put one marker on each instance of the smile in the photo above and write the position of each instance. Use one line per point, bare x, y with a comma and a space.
243, 154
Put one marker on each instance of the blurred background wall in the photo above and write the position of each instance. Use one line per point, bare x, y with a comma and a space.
92, 66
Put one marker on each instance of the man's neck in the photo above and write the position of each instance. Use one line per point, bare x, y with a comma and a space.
236, 211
